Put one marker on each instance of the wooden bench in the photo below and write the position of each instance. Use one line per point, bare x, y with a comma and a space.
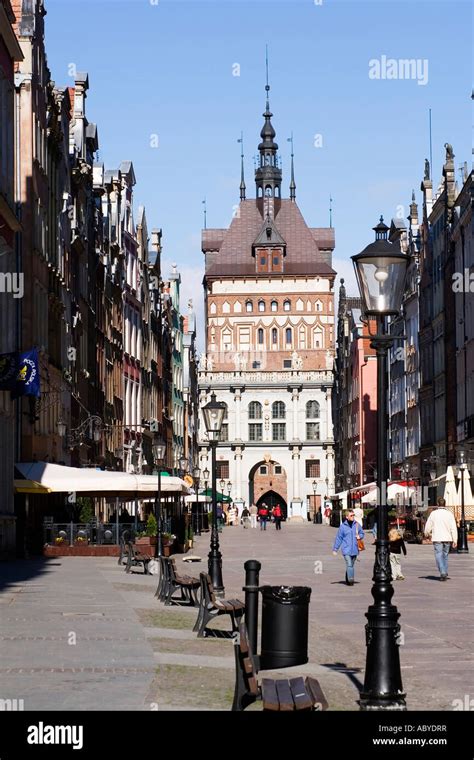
184, 583
282, 695
136, 557
124, 552
212, 607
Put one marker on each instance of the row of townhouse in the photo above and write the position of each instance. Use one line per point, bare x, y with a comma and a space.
80, 281
431, 390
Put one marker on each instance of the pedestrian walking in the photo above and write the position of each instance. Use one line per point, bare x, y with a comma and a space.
263, 515
396, 547
232, 515
253, 516
346, 540
277, 516
245, 517
442, 528
327, 513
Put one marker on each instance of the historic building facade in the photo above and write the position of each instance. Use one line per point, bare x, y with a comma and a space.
269, 306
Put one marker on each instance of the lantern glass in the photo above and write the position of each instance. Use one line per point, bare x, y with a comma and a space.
214, 413
183, 464
61, 428
381, 272
196, 473
159, 449
206, 475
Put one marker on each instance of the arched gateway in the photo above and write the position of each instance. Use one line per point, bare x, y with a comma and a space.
268, 483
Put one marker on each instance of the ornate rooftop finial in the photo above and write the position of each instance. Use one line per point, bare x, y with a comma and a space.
242, 178
292, 180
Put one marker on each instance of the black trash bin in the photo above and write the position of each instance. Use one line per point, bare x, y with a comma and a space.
284, 626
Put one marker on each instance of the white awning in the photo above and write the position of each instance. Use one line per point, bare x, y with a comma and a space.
57, 478
202, 498
342, 495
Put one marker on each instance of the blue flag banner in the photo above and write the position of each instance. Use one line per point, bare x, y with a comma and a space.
27, 381
8, 371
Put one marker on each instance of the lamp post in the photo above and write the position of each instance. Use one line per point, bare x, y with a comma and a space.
229, 488
315, 488
196, 478
463, 547
381, 272
222, 485
206, 475
214, 413
159, 451
183, 465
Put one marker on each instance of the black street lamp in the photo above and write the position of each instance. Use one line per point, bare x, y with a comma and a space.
214, 413
381, 272
229, 487
206, 475
315, 488
183, 465
222, 485
159, 451
463, 547
196, 478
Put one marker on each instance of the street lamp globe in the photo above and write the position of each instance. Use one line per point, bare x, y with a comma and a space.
61, 428
381, 272
214, 413
97, 434
158, 448
315, 485
229, 487
196, 473
206, 475
183, 464
222, 485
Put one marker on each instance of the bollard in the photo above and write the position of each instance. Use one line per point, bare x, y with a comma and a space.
252, 572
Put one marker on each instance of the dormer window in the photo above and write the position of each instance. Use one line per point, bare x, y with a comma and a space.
268, 232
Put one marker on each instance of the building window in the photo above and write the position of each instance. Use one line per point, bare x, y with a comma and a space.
278, 410
302, 337
278, 431
263, 260
263, 470
319, 306
274, 306
286, 305
261, 305
313, 468
278, 469
244, 338
286, 363
288, 336
255, 431
318, 338
255, 410
274, 336
260, 336
226, 340
248, 306
312, 410
224, 434
256, 365
222, 470
312, 431
276, 261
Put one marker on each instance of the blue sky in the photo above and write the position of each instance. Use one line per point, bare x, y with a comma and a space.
163, 71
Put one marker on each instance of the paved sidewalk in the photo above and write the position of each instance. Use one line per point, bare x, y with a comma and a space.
80, 634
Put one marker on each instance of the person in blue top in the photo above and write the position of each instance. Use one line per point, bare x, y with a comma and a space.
346, 539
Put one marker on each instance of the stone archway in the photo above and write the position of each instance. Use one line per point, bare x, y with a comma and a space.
268, 477
271, 499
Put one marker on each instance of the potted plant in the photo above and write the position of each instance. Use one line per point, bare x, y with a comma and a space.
167, 540
148, 537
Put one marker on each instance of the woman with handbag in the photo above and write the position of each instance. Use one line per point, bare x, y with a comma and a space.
349, 538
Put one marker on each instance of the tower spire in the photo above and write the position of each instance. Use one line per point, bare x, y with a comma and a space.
268, 173
242, 178
292, 180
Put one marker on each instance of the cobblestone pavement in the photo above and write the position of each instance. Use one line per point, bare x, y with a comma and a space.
80, 634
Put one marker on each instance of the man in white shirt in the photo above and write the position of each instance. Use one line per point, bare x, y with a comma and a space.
441, 526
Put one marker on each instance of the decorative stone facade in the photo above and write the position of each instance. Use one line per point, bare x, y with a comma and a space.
270, 346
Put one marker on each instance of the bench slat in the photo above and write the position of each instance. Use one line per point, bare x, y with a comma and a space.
270, 697
284, 695
313, 688
301, 698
